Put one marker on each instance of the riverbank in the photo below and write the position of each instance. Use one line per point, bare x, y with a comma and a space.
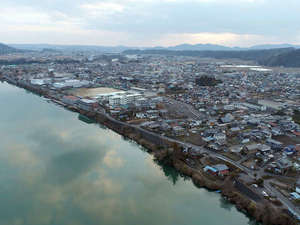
162, 149
262, 211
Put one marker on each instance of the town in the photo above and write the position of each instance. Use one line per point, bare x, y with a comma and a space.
226, 117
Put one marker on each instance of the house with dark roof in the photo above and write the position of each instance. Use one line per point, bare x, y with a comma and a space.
276, 145
283, 165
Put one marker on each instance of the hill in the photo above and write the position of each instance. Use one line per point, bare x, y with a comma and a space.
260, 56
287, 59
71, 48
5, 49
199, 47
263, 54
119, 49
270, 46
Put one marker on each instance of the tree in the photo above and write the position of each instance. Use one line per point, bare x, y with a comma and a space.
260, 182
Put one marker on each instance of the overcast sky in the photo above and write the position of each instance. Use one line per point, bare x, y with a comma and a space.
150, 22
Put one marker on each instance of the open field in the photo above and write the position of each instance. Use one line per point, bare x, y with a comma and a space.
92, 92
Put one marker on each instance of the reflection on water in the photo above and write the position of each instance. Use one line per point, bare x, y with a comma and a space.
85, 119
171, 174
225, 204
70, 165
56, 170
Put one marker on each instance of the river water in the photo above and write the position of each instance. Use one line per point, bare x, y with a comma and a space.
58, 170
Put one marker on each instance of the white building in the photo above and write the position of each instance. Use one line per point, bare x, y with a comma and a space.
37, 81
77, 83
124, 99
115, 100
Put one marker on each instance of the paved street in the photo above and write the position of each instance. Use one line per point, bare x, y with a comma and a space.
286, 202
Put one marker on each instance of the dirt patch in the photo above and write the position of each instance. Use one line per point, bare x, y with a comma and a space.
249, 163
232, 156
194, 139
136, 122
286, 140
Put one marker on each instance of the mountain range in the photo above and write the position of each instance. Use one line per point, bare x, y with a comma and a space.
5, 49
118, 49
212, 47
287, 57
271, 55
83, 48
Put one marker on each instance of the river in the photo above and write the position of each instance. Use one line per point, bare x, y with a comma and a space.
58, 170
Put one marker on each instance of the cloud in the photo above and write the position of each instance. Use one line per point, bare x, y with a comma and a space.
21, 155
102, 9
87, 191
112, 160
126, 22
229, 39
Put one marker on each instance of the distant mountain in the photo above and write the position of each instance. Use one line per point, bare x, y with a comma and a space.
119, 49
50, 50
32, 47
270, 46
85, 48
288, 57
116, 49
199, 47
270, 55
211, 47
5, 49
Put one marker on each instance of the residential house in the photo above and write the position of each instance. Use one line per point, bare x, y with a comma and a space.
283, 165
276, 145
236, 148
178, 131
222, 169
70, 100
227, 118
219, 169
87, 104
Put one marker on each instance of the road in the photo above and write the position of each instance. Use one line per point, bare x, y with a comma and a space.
259, 174
285, 201
249, 172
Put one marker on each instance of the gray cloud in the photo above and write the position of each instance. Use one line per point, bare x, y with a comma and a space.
148, 20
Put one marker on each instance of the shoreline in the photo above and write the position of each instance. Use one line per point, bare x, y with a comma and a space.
163, 150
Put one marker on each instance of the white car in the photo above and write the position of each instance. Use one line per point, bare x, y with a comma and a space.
265, 194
